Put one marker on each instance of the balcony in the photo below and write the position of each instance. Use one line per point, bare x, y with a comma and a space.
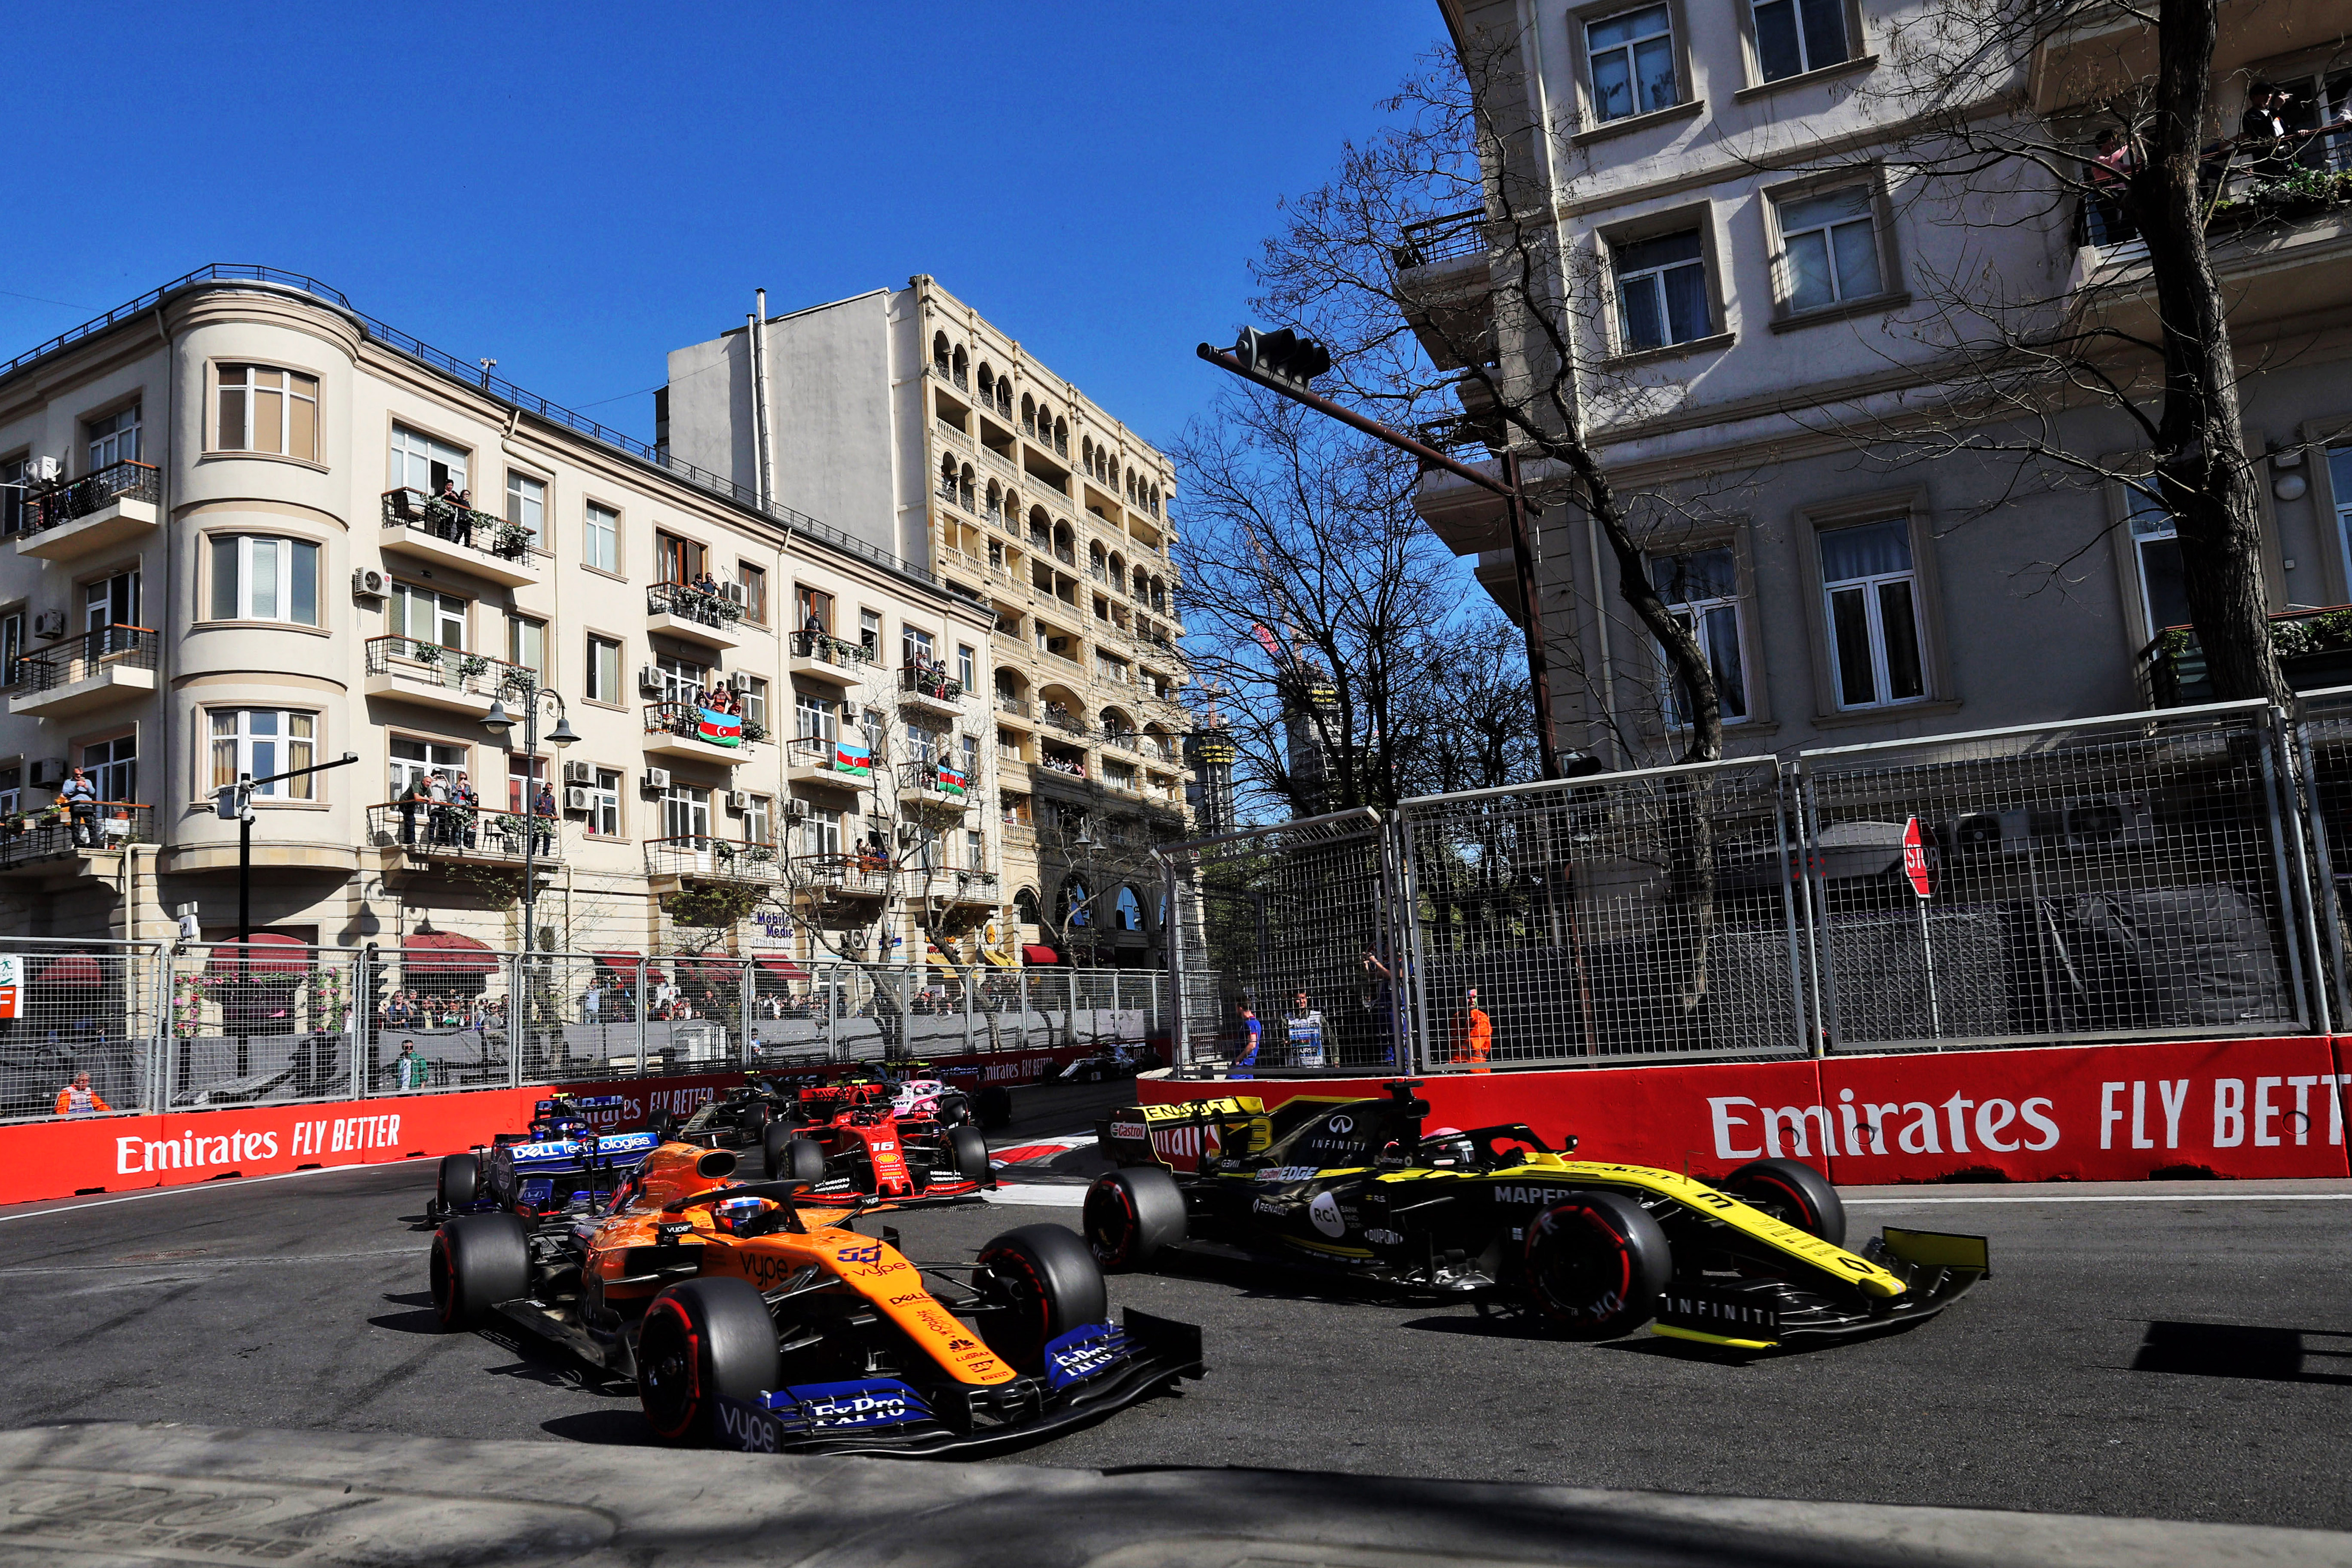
1445, 278
422, 834
2314, 652
696, 615
1056, 717
826, 760
936, 787
1012, 708
729, 862
113, 506
2280, 239
86, 673
828, 878
817, 656
1119, 740
954, 377
931, 688
424, 528
35, 845
448, 678
691, 730
1068, 772
955, 887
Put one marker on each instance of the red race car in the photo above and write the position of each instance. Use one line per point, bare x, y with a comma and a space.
847, 1142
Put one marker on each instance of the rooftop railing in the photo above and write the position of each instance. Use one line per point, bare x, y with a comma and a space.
93, 492
79, 658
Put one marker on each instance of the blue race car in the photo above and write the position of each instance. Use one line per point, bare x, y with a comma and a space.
562, 1162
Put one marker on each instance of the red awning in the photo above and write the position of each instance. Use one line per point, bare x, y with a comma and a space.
710, 965
267, 952
1033, 953
622, 962
73, 969
445, 952
781, 967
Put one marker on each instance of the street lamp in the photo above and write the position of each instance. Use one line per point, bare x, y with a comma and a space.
500, 722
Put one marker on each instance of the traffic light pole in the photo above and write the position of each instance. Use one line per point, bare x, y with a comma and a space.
239, 795
1515, 510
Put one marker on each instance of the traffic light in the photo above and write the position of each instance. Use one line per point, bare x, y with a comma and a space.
376, 993
1283, 354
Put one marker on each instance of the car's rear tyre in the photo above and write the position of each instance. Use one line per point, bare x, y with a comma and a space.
702, 1341
954, 1111
992, 1108
459, 1181
1048, 1282
1131, 1213
970, 1150
1792, 1193
478, 1260
1596, 1264
662, 1125
793, 1159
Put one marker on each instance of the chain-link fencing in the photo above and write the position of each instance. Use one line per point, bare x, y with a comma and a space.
70, 1009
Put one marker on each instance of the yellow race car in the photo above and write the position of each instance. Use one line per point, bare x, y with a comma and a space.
1597, 1250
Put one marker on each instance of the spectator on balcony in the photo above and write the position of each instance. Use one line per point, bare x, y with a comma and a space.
411, 801
436, 797
79, 797
2262, 132
444, 510
707, 583
2112, 163
461, 522
543, 819
463, 803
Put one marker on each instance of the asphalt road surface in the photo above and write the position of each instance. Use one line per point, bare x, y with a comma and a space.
2182, 1351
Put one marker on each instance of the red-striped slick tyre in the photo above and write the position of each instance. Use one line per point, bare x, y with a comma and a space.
703, 1339
1131, 1213
1047, 1283
1793, 1194
477, 1261
1596, 1264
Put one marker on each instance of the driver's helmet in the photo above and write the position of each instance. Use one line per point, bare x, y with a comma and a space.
1446, 1146
731, 1215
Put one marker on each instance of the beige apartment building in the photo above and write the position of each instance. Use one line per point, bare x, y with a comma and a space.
259, 531
904, 412
1760, 274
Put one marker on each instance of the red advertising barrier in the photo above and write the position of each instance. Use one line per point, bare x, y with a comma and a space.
124, 1153
2237, 1108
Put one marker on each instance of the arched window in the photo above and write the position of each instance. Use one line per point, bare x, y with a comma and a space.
987, 383
965, 482
1095, 556
947, 479
1039, 534
1118, 570
939, 351
1130, 910
1087, 454
1005, 396
1142, 583
1110, 470
1155, 500
1071, 909
1062, 437
1029, 414
960, 366
1025, 906
995, 501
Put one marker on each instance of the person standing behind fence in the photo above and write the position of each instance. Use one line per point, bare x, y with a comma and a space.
1252, 1032
1304, 1030
78, 1098
410, 1070
1474, 1035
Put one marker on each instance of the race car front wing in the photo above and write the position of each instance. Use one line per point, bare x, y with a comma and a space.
1089, 1372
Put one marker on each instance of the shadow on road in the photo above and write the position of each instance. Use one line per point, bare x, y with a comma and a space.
2246, 1351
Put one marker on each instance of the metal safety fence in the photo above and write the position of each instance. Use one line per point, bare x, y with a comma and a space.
94, 1028
2131, 876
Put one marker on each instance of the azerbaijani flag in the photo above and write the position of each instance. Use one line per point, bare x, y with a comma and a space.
952, 781
720, 728
849, 759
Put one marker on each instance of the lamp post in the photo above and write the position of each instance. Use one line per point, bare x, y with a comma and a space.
502, 723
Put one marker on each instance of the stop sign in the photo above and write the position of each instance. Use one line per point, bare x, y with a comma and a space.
1915, 856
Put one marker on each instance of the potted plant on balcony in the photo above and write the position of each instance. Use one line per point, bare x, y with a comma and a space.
472, 666
511, 540
754, 730
761, 854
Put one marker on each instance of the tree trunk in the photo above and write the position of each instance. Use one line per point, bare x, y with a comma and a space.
2204, 476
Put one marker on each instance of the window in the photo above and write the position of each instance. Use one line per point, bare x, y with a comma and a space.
1866, 574
111, 602
113, 768
1794, 36
1662, 291
821, 831
922, 745
1128, 914
677, 560
1633, 63
604, 804
527, 644
869, 634
759, 818
527, 505
12, 790
754, 580
11, 499
754, 699
682, 680
265, 410
2156, 552
11, 645
812, 610
422, 615
1701, 590
256, 578
975, 845
421, 463
2339, 483
600, 538
262, 741
524, 774
114, 439
603, 669
1831, 246
971, 762
916, 645
415, 763
686, 811
813, 718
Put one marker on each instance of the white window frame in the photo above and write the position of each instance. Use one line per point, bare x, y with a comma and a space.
600, 537
414, 453
406, 769
245, 395
821, 831
1654, 278
758, 820
604, 804
682, 680
1698, 616
293, 561
112, 438
967, 666
754, 699
522, 631
115, 774
243, 738
446, 610
815, 718
687, 805
2146, 522
597, 672
101, 607
526, 504
1632, 80
1871, 587
1828, 232
1806, 63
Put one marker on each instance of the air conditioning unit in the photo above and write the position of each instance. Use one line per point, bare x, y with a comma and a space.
739, 801
368, 584
657, 779
48, 773
579, 800
49, 624
2109, 822
579, 773
735, 592
796, 810
739, 681
41, 471
649, 678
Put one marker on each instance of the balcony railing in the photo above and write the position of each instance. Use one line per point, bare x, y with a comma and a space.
79, 658
692, 721
930, 680
480, 531
1124, 740
1440, 239
689, 603
1055, 716
93, 492
829, 649
1068, 767
1012, 705
866, 876
959, 379
825, 753
474, 674
707, 858
27, 837
2314, 647
439, 830
936, 778
2257, 187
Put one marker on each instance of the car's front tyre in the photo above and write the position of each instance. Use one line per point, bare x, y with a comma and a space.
1047, 1283
1131, 1213
458, 1183
1596, 1264
703, 1341
477, 1261
1793, 1192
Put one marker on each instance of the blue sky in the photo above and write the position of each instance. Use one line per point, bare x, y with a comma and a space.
577, 190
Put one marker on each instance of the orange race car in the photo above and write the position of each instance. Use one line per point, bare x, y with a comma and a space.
747, 1322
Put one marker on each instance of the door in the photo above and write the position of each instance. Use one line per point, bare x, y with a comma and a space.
108, 604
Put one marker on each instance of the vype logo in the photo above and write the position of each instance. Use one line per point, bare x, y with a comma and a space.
748, 1430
